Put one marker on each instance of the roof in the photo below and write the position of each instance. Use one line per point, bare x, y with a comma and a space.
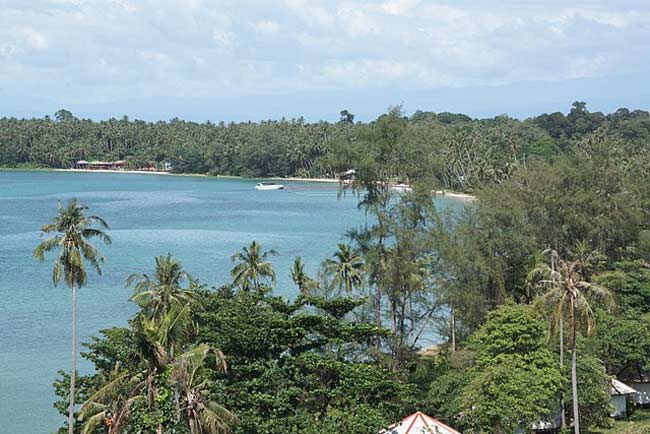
618, 388
432, 350
419, 423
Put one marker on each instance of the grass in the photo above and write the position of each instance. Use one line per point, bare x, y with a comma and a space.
639, 423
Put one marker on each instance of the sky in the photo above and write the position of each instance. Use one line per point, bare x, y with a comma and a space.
238, 59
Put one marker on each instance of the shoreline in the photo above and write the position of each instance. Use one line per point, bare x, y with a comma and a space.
153, 172
441, 193
456, 195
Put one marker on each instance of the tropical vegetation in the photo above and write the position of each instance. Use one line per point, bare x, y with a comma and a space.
538, 291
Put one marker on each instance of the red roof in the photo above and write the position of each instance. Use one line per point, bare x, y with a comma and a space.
419, 423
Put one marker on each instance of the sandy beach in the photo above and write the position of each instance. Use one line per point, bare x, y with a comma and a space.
444, 193
149, 172
455, 195
139, 172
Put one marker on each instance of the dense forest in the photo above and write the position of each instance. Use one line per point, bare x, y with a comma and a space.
454, 150
539, 289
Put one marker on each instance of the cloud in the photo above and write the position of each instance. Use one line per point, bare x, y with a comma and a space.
152, 57
224, 38
266, 27
381, 72
398, 7
34, 39
312, 12
112, 49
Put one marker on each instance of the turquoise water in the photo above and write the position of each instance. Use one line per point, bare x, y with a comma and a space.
201, 221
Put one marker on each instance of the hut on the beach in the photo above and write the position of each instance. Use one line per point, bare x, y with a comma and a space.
621, 394
419, 423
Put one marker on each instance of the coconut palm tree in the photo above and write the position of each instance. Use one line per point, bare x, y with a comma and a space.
202, 415
299, 277
542, 275
251, 266
157, 338
110, 406
71, 229
165, 291
569, 296
346, 267
155, 342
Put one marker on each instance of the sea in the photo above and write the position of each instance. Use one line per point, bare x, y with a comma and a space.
201, 221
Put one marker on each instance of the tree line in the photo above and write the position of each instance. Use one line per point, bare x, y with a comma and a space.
454, 150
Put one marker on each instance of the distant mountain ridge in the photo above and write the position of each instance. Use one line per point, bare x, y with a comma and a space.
519, 100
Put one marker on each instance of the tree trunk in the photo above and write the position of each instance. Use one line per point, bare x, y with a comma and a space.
378, 319
452, 325
177, 396
73, 370
574, 377
562, 407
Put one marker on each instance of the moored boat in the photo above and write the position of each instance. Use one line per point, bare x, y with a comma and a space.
401, 188
269, 186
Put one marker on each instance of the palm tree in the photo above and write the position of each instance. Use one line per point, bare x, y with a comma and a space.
202, 415
72, 229
346, 267
156, 338
299, 277
251, 266
542, 275
157, 296
569, 296
155, 341
110, 406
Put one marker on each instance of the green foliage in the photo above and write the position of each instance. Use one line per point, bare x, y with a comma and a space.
593, 392
515, 377
511, 390
458, 152
622, 342
630, 282
293, 370
511, 329
112, 350
72, 230
443, 399
320, 363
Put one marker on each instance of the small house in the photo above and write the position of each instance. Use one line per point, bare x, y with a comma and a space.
620, 394
419, 423
348, 177
100, 165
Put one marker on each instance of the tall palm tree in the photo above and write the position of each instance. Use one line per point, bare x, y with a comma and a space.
299, 277
71, 229
542, 275
202, 415
251, 266
346, 267
569, 296
158, 295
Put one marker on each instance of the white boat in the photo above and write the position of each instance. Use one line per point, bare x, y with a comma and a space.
401, 188
269, 186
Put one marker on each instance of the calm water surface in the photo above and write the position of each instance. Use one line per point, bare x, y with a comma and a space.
201, 221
